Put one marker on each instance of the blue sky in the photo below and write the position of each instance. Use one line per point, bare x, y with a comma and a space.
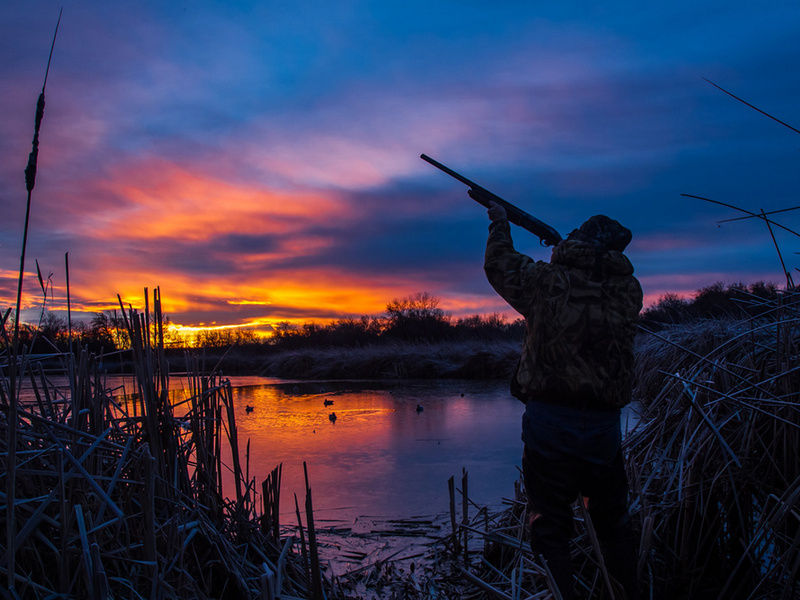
259, 161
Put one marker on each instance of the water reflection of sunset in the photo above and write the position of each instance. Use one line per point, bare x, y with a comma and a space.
380, 456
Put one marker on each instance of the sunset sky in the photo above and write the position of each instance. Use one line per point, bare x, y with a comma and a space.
259, 161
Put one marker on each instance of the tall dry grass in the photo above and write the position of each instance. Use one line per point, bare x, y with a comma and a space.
122, 497
714, 467
715, 464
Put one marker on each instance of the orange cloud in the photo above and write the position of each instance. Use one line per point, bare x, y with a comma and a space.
158, 199
8, 274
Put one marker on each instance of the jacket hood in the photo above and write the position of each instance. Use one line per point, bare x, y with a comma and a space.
579, 255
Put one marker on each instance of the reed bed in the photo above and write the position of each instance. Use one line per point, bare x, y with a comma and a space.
123, 498
472, 553
714, 467
715, 464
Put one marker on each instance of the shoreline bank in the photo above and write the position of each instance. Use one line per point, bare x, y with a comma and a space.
394, 361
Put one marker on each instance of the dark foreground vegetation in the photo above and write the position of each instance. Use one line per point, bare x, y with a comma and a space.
106, 497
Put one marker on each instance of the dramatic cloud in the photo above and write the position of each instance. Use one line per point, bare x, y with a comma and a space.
259, 162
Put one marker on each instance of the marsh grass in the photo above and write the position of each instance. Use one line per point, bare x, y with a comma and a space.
714, 468
125, 499
715, 464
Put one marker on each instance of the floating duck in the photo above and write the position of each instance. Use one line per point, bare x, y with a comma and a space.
419, 408
332, 417
249, 408
327, 402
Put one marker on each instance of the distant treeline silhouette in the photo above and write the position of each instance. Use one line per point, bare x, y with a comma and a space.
105, 332
418, 318
414, 318
715, 301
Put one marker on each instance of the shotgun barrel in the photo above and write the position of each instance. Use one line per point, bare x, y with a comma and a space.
546, 234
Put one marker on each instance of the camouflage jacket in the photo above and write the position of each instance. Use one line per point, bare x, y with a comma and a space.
580, 311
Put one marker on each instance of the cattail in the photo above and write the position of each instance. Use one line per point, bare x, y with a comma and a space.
11, 476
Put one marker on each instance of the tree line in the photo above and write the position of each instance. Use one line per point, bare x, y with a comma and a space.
105, 332
716, 301
414, 318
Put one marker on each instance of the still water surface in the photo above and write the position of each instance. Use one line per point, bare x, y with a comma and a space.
390, 450
382, 456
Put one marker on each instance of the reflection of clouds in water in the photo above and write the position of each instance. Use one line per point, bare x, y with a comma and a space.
382, 456
271, 411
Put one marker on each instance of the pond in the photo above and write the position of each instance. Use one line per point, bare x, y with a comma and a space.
388, 453
390, 449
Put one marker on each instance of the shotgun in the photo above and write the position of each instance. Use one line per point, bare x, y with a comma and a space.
546, 234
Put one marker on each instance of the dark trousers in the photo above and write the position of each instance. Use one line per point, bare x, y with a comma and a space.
553, 485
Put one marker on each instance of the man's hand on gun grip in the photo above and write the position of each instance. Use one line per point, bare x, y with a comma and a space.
496, 212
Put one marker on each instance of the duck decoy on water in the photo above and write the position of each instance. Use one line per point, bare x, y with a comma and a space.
332, 417
327, 402
249, 408
419, 408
